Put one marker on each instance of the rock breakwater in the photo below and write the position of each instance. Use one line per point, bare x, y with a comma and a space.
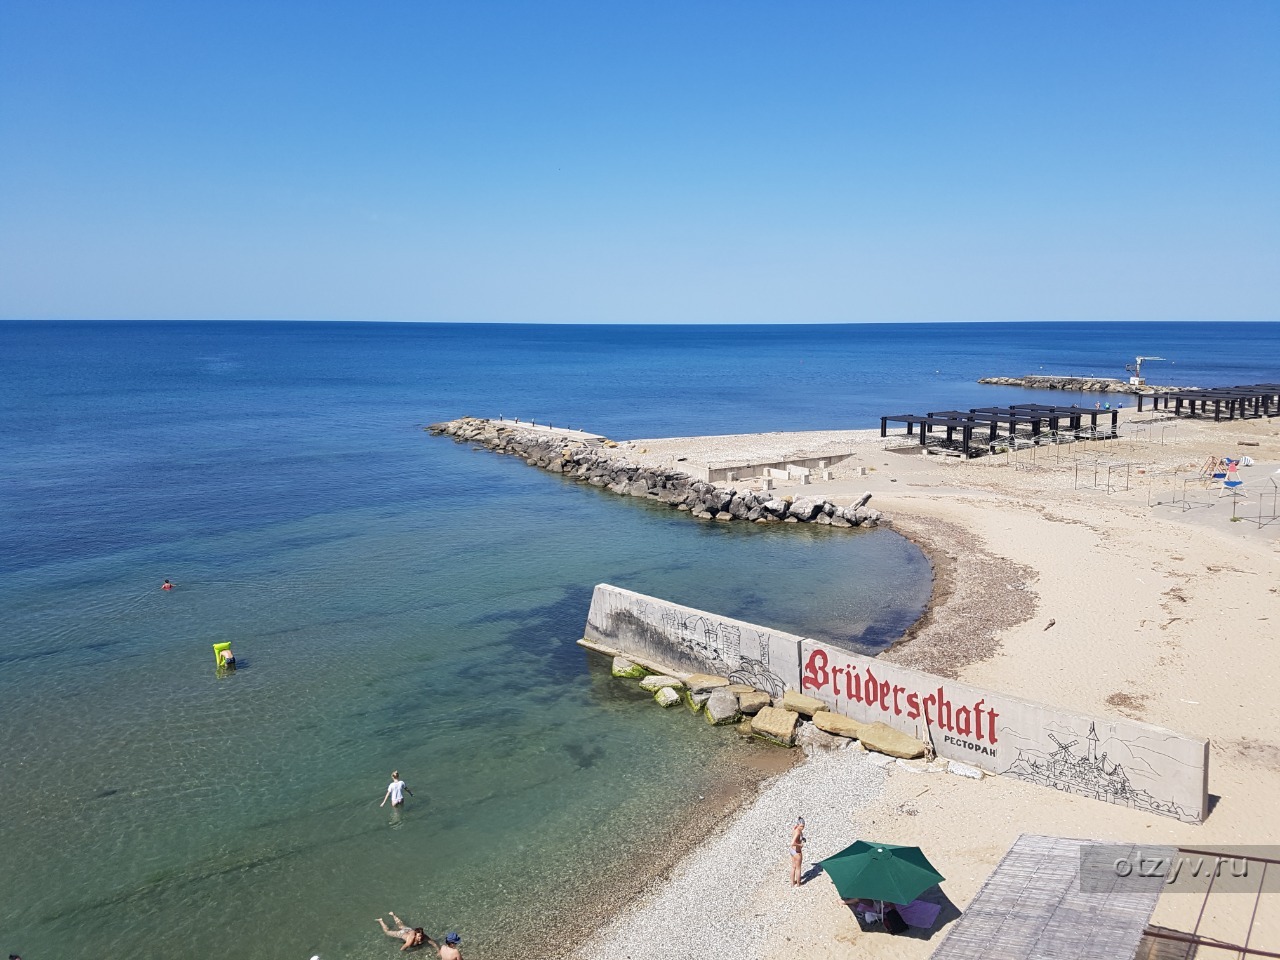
591, 461
1081, 384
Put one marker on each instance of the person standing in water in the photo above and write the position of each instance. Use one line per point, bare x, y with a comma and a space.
166, 585
396, 791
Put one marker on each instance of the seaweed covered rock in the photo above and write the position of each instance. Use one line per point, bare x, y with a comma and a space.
622, 667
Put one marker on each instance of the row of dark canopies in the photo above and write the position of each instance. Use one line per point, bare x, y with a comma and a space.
962, 426
1248, 400
1256, 400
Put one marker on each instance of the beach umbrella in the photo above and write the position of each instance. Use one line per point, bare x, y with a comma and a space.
880, 871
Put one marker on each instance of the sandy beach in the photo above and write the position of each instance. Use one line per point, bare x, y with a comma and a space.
1100, 595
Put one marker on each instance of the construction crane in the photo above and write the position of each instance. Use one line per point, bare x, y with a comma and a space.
1136, 369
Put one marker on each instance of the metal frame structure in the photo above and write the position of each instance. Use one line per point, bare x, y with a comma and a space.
1195, 938
1253, 399
1038, 417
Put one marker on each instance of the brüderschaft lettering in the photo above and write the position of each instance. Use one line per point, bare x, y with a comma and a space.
863, 686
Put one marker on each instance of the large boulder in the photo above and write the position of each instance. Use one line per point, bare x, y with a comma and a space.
704, 682
805, 508
799, 703
622, 667
882, 738
776, 725
667, 697
810, 739
657, 682
638, 488
777, 508
695, 701
753, 701
722, 707
838, 725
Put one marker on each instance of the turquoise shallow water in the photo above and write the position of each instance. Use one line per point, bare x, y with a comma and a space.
398, 600
395, 600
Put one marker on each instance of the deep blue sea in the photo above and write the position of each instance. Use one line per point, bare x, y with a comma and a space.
401, 601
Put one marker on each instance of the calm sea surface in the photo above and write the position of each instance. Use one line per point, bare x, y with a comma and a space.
399, 600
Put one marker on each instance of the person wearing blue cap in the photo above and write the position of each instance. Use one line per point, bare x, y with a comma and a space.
448, 950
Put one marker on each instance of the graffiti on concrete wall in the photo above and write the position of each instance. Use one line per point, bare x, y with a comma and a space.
1117, 761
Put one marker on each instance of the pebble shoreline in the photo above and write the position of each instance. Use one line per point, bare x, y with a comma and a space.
724, 899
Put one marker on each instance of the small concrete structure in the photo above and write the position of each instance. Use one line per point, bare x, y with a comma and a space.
793, 469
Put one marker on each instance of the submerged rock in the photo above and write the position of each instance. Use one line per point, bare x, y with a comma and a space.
667, 697
622, 667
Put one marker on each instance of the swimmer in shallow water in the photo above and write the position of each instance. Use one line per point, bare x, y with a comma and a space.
412, 936
166, 585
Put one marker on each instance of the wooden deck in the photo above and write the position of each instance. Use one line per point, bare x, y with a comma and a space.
1032, 908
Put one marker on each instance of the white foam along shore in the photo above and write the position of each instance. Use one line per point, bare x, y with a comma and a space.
1162, 611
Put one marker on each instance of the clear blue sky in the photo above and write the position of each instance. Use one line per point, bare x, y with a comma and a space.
640, 162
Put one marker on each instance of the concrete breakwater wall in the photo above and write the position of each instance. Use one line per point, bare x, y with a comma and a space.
589, 461
1081, 384
1118, 761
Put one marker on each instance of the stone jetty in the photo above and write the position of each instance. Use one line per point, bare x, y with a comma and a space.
1081, 384
592, 461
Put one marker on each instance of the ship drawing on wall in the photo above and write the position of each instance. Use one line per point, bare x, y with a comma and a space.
1088, 774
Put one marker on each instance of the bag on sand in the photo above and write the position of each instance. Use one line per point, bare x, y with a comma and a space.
893, 921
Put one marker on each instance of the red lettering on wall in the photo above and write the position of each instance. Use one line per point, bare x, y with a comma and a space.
964, 724
897, 710
913, 706
944, 712
815, 671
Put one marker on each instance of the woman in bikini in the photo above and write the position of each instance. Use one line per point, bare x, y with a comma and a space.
796, 849
412, 936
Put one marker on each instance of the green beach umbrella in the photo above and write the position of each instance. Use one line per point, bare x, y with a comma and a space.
880, 871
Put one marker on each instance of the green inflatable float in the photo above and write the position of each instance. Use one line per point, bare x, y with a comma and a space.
223, 657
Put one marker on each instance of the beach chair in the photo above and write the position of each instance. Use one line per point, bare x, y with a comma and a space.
1232, 485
